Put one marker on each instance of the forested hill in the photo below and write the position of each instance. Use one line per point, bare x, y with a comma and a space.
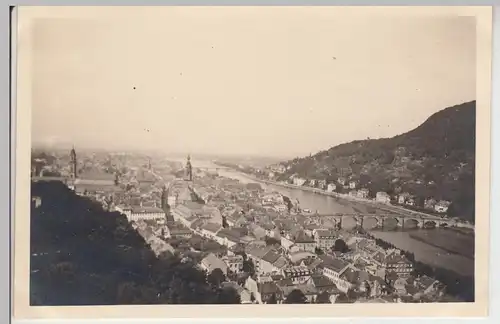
436, 159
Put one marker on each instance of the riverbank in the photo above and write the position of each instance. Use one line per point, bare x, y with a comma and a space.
455, 242
429, 252
367, 202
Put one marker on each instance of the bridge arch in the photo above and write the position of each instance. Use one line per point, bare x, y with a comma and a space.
430, 224
349, 222
391, 222
371, 222
412, 223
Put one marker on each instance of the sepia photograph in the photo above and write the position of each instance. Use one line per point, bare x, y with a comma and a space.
252, 156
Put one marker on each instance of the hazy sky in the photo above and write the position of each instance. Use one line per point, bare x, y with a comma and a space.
245, 81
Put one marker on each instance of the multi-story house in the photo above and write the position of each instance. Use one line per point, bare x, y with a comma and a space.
210, 230
299, 181
142, 213
331, 187
324, 239
304, 243
383, 197
333, 270
403, 197
265, 260
429, 203
234, 263
398, 264
212, 262
297, 274
363, 193
442, 206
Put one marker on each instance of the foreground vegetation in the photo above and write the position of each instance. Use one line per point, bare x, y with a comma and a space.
83, 255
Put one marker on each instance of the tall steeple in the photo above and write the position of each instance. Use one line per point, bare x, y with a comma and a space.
164, 198
189, 169
73, 163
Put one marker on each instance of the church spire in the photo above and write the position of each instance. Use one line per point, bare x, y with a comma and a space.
189, 169
73, 163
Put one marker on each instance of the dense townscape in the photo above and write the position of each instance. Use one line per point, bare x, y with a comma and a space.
248, 244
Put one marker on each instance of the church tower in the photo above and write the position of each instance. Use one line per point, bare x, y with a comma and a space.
73, 162
164, 198
189, 169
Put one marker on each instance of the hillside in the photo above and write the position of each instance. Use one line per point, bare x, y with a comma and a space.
436, 159
84, 255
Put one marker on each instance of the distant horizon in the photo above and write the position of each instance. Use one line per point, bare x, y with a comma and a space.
68, 146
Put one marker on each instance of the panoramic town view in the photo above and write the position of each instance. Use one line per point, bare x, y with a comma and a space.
205, 180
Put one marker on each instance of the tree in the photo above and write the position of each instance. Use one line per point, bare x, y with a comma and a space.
273, 299
342, 299
368, 289
224, 222
216, 277
340, 246
352, 295
98, 254
323, 298
296, 296
318, 251
228, 296
248, 266
391, 277
271, 241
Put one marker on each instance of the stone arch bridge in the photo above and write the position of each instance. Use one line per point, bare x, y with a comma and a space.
381, 219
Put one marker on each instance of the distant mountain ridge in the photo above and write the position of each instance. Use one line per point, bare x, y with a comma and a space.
435, 160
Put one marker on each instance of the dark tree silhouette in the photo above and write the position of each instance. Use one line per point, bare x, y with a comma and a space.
323, 298
248, 266
318, 251
84, 255
216, 277
272, 241
340, 246
273, 299
342, 299
296, 296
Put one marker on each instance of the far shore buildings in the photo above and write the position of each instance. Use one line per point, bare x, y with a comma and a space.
331, 187
383, 197
299, 181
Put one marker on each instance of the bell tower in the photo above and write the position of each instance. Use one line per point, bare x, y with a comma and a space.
189, 169
164, 198
73, 163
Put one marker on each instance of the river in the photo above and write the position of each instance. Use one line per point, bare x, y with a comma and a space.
439, 247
